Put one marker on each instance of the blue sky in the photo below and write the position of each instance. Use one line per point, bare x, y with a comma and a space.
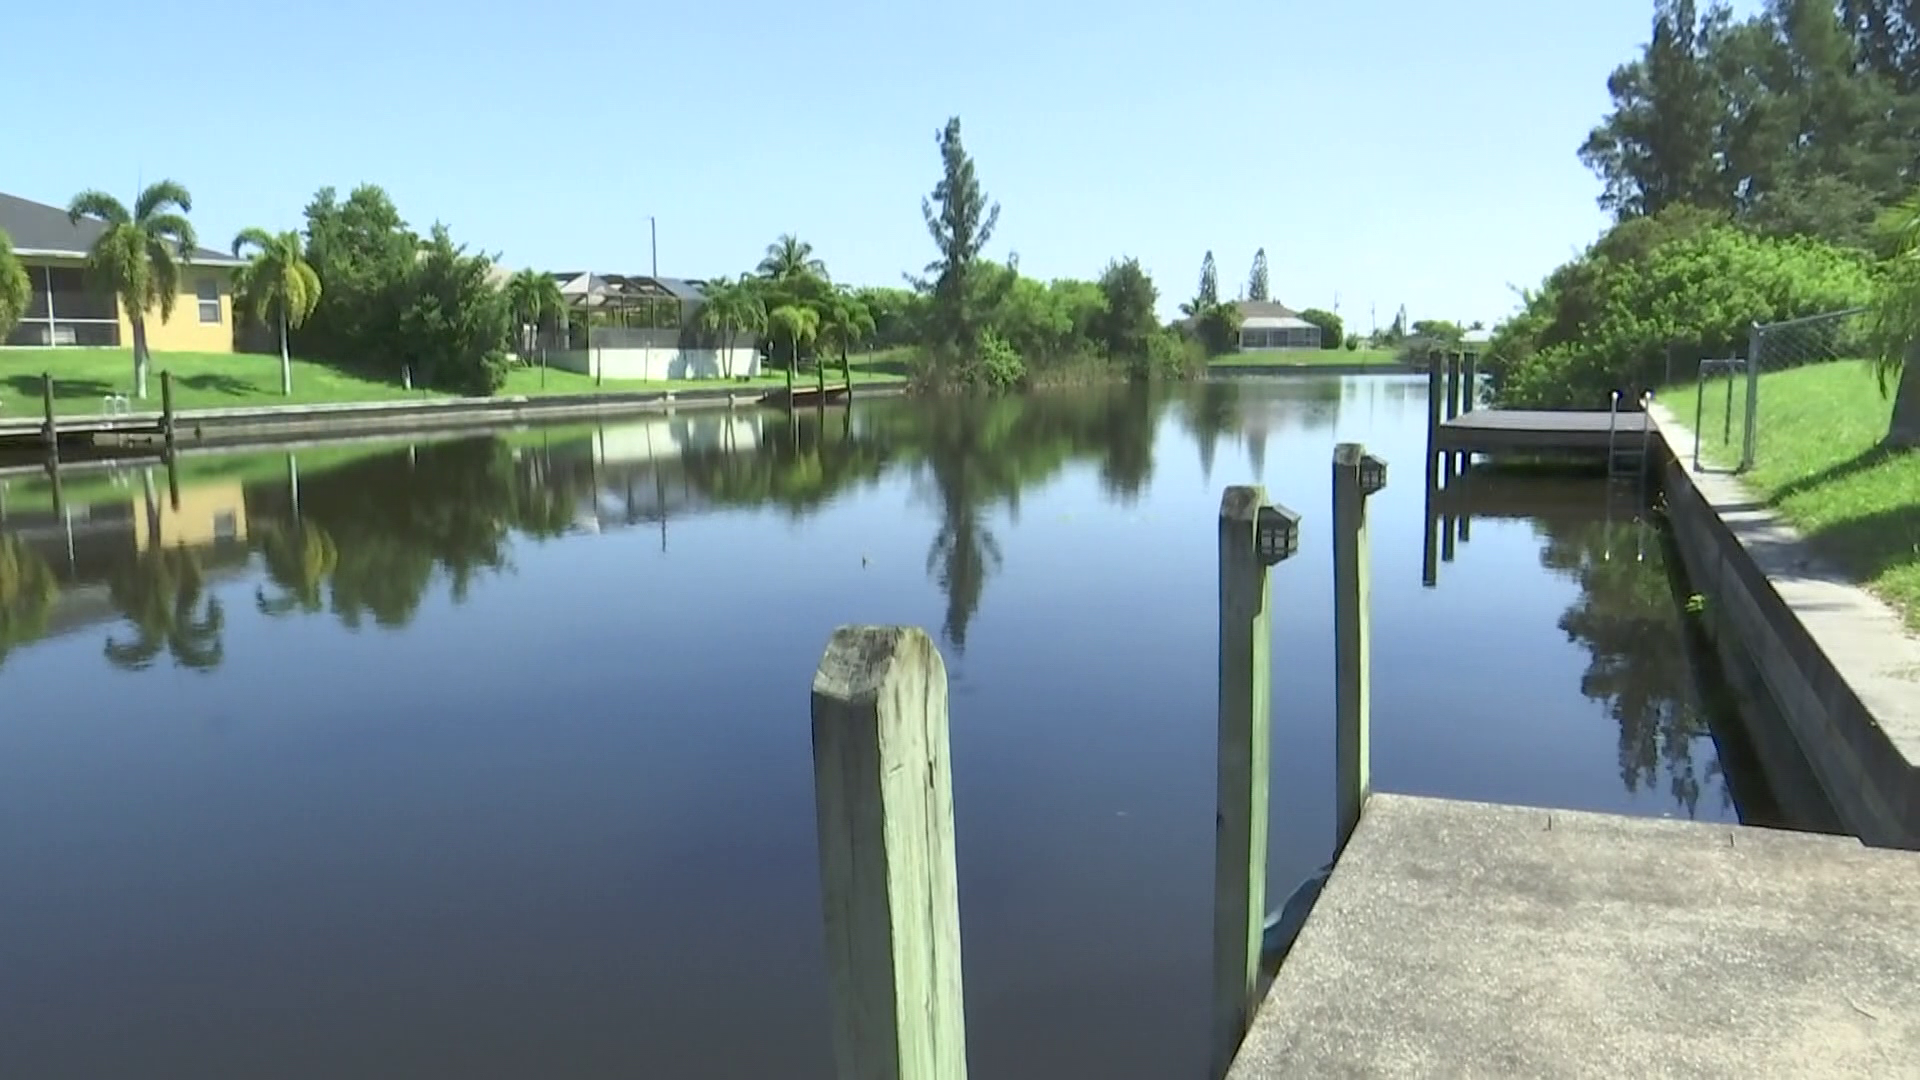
1383, 151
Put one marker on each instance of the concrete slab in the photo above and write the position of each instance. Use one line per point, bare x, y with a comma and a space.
1465, 940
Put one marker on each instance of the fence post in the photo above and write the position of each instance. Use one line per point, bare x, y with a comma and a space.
1756, 341
1356, 475
1253, 536
49, 430
883, 792
166, 408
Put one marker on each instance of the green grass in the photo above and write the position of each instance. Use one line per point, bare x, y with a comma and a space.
82, 377
1304, 357
1818, 460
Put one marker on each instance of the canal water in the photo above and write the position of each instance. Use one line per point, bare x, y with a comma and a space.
489, 757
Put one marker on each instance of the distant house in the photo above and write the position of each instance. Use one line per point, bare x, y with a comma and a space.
1269, 324
68, 306
637, 326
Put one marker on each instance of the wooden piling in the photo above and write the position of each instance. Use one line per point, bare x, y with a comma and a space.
173, 479
166, 409
49, 430
1453, 385
1352, 589
1244, 764
883, 791
1470, 383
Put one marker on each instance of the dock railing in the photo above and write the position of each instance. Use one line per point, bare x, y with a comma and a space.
883, 790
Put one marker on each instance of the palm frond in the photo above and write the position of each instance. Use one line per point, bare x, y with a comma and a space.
97, 204
164, 277
255, 237
158, 196
304, 297
173, 227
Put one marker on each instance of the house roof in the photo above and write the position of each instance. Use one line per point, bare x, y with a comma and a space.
39, 229
1270, 322
1264, 309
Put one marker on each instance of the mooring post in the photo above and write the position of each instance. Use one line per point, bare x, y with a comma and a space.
48, 429
173, 480
1470, 382
1436, 396
883, 792
1453, 385
166, 409
1253, 537
1356, 475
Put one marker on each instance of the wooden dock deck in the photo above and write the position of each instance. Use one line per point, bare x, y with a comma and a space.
1466, 939
1545, 433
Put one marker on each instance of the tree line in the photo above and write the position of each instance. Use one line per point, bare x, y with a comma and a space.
1759, 169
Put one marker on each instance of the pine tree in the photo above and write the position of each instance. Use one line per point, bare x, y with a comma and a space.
961, 222
1209, 295
1257, 277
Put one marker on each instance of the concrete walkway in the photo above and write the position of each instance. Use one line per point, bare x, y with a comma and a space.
1462, 939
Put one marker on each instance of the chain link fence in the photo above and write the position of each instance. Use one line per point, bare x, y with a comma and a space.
1727, 399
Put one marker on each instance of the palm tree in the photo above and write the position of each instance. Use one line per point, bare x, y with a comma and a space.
798, 325
138, 255
535, 297
729, 307
845, 322
277, 282
791, 257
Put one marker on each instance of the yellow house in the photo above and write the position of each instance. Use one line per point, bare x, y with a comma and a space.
70, 308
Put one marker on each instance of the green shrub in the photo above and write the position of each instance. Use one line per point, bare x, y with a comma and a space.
1332, 330
1679, 285
999, 366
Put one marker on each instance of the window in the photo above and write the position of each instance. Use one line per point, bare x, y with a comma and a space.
208, 290
226, 525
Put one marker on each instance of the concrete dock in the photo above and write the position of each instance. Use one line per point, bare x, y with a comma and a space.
1467, 939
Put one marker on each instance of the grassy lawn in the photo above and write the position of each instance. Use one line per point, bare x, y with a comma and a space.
1304, 357
1819, 462
82, 377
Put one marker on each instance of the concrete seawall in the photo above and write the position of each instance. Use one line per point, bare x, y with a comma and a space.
1835, 663
270, 425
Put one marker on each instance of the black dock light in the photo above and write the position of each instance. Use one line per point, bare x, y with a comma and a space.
1373, 474
1278, 534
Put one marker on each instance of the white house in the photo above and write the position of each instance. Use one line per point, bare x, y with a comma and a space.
1269, 324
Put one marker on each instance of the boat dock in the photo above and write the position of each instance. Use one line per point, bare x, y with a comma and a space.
1467, 939
1458, 428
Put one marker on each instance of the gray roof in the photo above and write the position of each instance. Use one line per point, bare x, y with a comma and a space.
582, 284
1265, 309
39, 229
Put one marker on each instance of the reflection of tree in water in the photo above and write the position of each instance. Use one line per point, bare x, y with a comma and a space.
378, 531
160, 592
298, 559
1627, 618
1208, 412
27, 592
372, 535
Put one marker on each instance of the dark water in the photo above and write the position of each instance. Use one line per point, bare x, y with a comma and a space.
489, 757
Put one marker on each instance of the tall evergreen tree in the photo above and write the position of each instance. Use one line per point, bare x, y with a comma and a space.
961, 221
1656, 147
1257, 277
1209, 295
